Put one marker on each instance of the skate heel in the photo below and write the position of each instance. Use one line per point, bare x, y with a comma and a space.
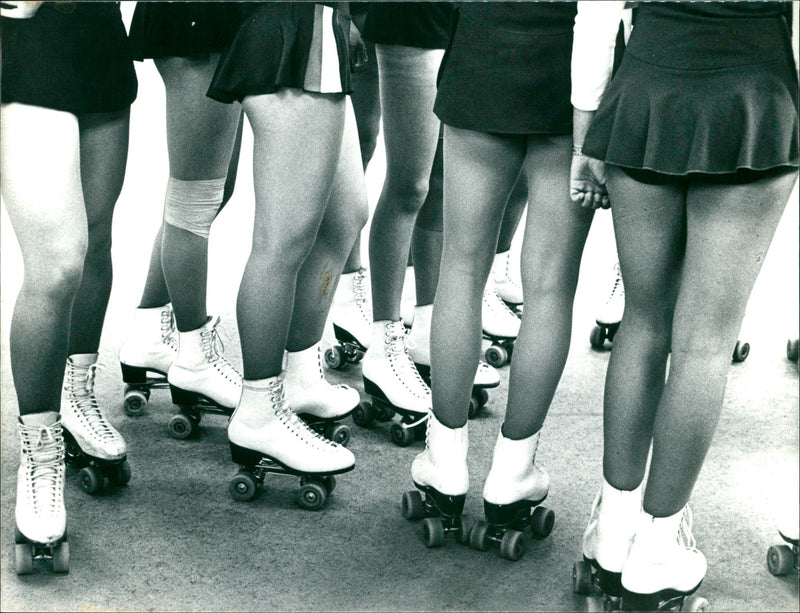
245, 457
184, 398
348, 351
95, 474
133, 374
441, 514
506, 523
329, 428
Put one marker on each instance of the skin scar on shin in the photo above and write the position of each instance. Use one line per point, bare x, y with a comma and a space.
327, 281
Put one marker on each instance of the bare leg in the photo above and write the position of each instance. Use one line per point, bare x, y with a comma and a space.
426, 243
41, 187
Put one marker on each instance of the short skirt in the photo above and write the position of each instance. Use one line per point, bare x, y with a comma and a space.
507, 69
702, 121
70, 56
301, 45
183, 29
426, 25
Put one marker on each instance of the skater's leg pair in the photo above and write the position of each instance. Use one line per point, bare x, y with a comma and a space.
689, 253
291, 262
60, 201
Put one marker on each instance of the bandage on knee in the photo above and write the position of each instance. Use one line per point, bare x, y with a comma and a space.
193, 205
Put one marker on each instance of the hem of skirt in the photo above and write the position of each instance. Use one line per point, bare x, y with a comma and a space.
695, 171
505, 130
75, 110
231, 97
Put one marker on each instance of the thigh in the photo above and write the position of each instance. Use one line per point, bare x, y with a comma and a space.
556, 227
650, 230
41, 182
479, 173
408, 91
200, 131
104, 155
729, 230
297, 140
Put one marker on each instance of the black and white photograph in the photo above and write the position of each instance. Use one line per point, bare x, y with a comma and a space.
399, 306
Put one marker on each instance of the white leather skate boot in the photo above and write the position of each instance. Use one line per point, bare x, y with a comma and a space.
390, 374
507, 278
611, 312
442, 466
263, 425
152, 344
419, 348
663, 564
81, 416
351, 311
608, 537
513, 491
497, 319
408, 298
307, 390
200, 369
40, 513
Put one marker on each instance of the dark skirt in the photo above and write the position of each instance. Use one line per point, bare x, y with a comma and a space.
675, 111
507, 69
72, 57
183, 29
300, 45
426, 25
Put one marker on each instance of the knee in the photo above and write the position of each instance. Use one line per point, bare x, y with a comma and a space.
407, 196
288, 246
56, 272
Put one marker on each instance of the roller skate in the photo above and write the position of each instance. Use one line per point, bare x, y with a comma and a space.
606, 543
740, 352
351, 315
146, 355
512, 496
664, 568
317, 402
394, 385
201, 380
267, 437
92, 444
419, 348
610, 315
781, 559
440, 473
500, 327
792, 349
41, 519
507, 280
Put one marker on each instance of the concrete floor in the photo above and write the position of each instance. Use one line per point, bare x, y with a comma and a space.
175, 540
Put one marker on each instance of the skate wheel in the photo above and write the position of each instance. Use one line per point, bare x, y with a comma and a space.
180, 426
402, 437
694, 602
135, 403
243, 486
463, 526
741, 351
483, 397
339, 434
512, 547
792, 349
120, 474
312, 496
582, 578
433, 532
478, 536
496, 356
597, 338
780, 559
329, 483
334, 358
412, 506
23, 558
474, 407
91, 479
364, 415
542, 522
61, 557
383, 412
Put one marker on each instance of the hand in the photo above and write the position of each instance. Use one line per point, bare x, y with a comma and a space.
358, 49
587, 182
19, 9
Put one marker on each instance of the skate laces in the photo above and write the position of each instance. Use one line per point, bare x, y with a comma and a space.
293, 423
213, 349
361, 294
618, 289
321, 366
43, 453
168, 336
685, 536
79, 384
402, 364
496, 304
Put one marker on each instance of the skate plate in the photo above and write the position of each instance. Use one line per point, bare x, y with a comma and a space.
138, 385
192, 406
505, 525
27, 553
409, 428
348, 351
330, 428
440, 514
